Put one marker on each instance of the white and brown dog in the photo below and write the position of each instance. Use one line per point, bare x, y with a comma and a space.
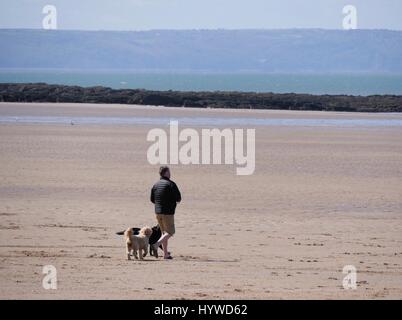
138, 243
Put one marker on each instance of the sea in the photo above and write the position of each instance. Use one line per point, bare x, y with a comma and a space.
347, 84
206, 121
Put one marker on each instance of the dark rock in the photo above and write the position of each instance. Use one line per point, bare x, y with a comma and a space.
41, 92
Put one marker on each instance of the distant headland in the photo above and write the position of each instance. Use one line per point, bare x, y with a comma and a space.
42, 92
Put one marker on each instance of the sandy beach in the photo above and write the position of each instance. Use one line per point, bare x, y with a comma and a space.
321, 197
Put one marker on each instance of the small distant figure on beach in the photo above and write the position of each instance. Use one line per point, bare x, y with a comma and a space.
165, 195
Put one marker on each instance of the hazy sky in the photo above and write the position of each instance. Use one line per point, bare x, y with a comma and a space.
200, 14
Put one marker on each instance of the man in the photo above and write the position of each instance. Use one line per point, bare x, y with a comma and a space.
165, 195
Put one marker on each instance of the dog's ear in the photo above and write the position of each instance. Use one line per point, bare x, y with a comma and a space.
147, 231
128, 232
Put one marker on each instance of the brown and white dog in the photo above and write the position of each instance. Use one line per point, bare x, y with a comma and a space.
156, 234
137, 243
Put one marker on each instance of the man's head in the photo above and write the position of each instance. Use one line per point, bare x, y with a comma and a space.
164, 171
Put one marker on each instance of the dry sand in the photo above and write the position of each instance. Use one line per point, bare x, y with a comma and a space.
321, 198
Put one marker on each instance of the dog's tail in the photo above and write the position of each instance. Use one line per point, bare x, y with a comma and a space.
127, 235
135, 231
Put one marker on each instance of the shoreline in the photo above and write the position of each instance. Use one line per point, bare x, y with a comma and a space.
105, 113
209, 110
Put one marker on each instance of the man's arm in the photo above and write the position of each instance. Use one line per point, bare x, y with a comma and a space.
177, 193
153, 194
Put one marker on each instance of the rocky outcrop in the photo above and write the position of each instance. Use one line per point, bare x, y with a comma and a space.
41, 92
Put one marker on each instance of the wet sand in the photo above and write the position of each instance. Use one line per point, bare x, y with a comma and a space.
321, 198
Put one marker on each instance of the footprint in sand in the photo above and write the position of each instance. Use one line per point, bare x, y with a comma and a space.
200, 294
94, 255
10, 227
